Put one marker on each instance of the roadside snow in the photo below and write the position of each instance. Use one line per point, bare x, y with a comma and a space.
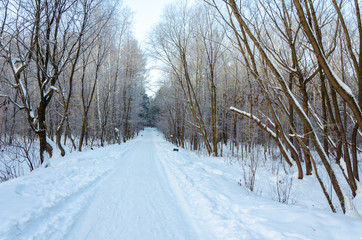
144, 190
44, 203
224, 210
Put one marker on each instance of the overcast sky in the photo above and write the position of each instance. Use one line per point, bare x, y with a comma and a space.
146, 15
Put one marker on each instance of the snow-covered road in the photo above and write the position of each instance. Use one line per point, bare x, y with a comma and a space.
143, 190
135, 201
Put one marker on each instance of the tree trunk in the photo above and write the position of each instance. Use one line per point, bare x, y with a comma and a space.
82, 132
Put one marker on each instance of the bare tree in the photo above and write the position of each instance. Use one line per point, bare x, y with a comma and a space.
282, 65
171, 42
41, 43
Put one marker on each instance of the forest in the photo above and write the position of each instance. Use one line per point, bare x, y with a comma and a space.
71, 73
236, 75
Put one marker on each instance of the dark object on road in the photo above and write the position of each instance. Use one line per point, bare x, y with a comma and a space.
175, 149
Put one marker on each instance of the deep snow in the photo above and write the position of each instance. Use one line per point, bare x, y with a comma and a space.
144, 190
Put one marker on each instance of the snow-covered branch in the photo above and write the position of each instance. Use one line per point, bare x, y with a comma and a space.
256, 120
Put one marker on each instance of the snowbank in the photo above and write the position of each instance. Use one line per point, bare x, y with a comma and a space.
162, 194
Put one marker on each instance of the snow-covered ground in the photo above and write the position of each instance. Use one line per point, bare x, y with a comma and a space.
144, 190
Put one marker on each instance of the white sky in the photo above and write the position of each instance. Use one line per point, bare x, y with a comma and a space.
146, 14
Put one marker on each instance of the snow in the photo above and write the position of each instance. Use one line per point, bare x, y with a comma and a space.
255, 119
23, 90
31, 113
144, 190
55, 89
14, 62
345, 87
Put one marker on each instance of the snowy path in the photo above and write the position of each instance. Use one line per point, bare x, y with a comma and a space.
135, 202
144, 190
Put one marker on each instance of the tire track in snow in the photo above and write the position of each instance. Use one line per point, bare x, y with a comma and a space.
56, 195
136, 201
56, 219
